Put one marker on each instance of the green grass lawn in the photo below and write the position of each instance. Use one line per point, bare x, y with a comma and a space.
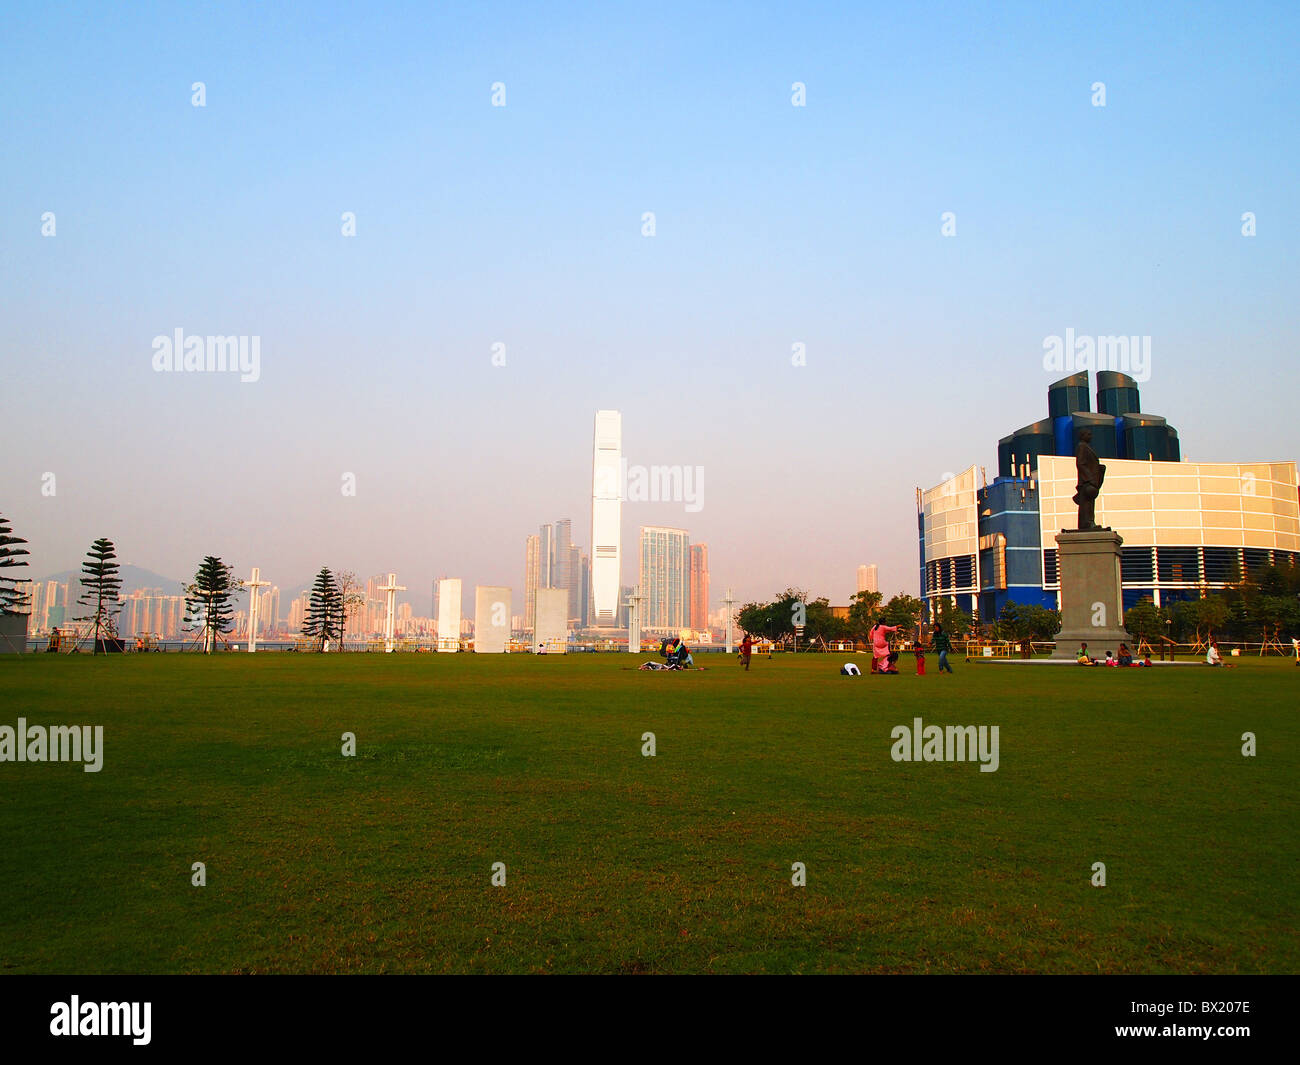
622, 863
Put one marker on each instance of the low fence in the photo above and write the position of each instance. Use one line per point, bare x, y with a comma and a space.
1164, 650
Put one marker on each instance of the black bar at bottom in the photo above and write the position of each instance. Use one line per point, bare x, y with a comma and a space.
304, 1013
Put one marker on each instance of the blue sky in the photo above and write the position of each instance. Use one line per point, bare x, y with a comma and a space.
522, 225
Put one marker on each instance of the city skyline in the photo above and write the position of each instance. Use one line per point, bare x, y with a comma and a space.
553, 560
779, 311
561, 561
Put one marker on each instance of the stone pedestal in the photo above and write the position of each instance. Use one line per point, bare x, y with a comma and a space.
1092, 599
13, 633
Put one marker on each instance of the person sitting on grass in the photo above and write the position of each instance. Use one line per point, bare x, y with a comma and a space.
1125, 655
1083, 658
1212, 657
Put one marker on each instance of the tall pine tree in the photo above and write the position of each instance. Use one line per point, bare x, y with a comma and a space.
208, 598
324, 609
100, 586
12, 599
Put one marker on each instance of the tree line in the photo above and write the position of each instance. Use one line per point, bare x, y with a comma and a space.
208, 606
778, 619
1264, 605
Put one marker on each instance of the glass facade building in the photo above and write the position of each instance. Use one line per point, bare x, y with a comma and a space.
1186, 526
665, 578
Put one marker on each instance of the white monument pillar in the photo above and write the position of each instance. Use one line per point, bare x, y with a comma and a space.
448, 621
256, 584
390, 591
731, 637
551, 620
634, 621
491, 619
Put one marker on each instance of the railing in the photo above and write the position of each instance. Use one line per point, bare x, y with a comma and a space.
989, 648
1160, 648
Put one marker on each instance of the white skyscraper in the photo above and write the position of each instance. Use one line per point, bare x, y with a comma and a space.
606, 518
867, 581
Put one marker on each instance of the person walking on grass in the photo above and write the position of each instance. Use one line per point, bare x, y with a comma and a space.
746, 649
942, 644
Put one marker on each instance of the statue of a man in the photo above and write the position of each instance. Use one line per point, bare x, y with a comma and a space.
1091, 474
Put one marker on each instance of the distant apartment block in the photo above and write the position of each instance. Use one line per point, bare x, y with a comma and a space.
868, 581
699, 618
665, 578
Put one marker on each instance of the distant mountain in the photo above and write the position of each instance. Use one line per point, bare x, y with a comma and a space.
133, 577
290, 592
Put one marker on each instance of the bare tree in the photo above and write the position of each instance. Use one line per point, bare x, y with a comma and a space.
349, 589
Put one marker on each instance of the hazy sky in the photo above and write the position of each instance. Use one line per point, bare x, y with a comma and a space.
522, 225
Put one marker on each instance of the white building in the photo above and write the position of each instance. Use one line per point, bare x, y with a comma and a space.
1187, 527
868, 581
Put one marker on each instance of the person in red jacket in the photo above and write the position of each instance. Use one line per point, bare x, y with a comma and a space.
746, 649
